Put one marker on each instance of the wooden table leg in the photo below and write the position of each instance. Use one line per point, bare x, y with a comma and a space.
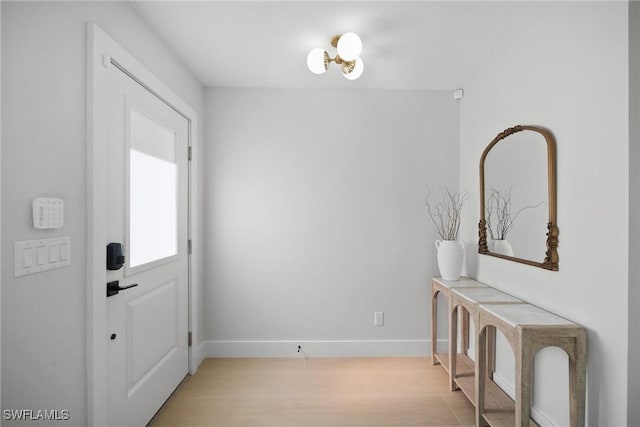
465, 331
524, 372
480, 374
453, 346
578, 381
434, 326
491, 351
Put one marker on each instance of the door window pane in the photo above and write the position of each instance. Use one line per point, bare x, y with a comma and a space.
153, 226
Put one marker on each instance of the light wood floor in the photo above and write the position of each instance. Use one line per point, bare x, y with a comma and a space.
316, 392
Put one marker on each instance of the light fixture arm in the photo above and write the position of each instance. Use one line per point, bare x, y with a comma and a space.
340, 61
334, 40
346, 66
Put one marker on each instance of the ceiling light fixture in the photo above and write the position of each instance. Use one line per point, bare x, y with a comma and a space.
349, 47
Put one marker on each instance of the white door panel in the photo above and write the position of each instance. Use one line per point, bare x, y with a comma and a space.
151, 338
147, 348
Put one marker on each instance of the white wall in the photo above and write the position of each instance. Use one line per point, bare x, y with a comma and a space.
44, 139
316, 218
0, 204
568, 72
634, 212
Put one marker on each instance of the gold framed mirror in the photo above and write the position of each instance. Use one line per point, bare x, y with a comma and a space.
518, 197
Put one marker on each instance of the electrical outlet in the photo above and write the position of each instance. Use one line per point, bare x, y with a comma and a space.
378, 318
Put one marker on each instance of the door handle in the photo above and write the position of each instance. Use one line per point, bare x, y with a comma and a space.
114, 288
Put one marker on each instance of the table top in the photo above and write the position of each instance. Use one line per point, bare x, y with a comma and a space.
524, 315
463, 282
484, 295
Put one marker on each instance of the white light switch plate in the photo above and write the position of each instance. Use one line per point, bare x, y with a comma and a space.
34, 256
48, 213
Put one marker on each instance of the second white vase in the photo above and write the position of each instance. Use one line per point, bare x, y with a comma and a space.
501, 247
450, 253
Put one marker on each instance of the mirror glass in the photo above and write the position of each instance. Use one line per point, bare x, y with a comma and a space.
516, 196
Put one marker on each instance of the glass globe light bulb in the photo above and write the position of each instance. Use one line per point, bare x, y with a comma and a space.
318, 61
349, 46
356, 72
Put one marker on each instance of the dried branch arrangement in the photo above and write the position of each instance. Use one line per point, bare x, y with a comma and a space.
445, 214
499, 218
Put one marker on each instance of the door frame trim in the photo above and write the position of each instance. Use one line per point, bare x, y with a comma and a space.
102, 53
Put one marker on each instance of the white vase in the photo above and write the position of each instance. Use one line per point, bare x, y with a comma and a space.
501, 246
450, 254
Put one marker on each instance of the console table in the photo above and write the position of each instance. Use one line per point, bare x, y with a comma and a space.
443, 287
469, 299
527, 328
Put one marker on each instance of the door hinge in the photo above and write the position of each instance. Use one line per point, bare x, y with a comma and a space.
190, 339
189, 153
189, 246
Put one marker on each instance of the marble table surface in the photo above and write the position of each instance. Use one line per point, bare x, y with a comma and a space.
485, 295
524, 315
463, 282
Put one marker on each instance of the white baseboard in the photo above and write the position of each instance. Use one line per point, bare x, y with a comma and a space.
510, 389
319, 348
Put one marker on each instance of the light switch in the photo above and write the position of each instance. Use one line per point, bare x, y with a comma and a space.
64, 252
54, 253
34, 256
27, 258
42, 255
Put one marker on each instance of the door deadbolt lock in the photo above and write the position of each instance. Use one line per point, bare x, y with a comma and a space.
115, 256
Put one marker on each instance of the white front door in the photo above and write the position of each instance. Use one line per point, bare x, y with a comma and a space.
147, 321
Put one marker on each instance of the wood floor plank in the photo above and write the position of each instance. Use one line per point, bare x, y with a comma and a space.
354, 392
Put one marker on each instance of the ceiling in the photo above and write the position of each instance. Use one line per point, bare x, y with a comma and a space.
434, 45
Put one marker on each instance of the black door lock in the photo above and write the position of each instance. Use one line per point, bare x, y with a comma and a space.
114, 288
115, 256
